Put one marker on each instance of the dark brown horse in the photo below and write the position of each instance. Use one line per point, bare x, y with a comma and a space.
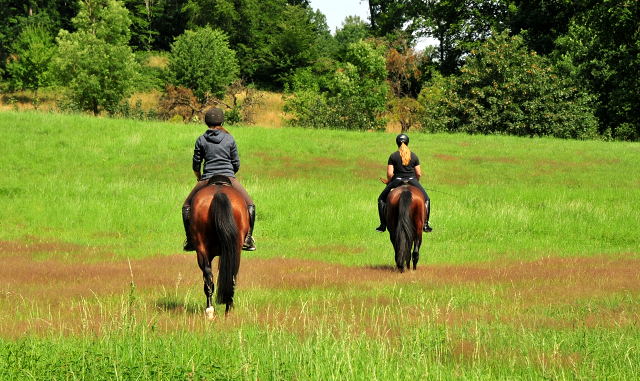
405, 215
219, 222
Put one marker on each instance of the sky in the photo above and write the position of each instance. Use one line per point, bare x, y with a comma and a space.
337, 10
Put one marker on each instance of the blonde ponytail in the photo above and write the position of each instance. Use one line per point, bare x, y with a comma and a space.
405, 154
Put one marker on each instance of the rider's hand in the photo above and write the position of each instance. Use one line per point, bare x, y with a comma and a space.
384, 180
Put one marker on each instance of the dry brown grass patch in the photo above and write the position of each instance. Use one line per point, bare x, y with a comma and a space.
446, 157
523, 291
271, 113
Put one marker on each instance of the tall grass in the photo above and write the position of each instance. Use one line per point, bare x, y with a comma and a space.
92, 190
334, 336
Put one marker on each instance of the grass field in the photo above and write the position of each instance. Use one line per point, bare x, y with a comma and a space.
532, 270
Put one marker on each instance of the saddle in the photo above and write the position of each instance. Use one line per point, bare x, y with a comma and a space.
219, 180
402, 183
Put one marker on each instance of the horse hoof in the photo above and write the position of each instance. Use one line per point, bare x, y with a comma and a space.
209, 313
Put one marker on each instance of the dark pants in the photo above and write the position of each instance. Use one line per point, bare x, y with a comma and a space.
394, 184
202, 183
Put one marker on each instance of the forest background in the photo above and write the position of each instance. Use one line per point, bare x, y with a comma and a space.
563, 68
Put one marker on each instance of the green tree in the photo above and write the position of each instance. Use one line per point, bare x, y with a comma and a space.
601, 53
144, 15
457, 25
542, 21
202, 61
505, 88
387, 16
32, 52
16, 15
289, 47
271, 37
353, 29
95, 63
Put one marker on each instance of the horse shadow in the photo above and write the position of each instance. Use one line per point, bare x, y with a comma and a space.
173, 304
384, 268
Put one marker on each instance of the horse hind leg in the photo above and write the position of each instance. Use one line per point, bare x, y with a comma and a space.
208, 291
207, 277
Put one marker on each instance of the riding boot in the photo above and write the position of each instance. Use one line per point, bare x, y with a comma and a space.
427, 228
188, 242
249, 241
381, 212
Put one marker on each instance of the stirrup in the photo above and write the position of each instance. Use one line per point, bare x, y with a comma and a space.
427, 228
249, 246
382, 228
188, 246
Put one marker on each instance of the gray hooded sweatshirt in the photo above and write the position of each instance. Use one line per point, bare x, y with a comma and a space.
219, 152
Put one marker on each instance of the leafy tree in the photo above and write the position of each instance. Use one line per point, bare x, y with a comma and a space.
170, 21
387, 16
354, 29
144, 15
542, 21
356, 96
271, 37
404, 75
289, 47
28, 64
457, 25
601, 52
16, 15
202, 61
505, 88
95, 63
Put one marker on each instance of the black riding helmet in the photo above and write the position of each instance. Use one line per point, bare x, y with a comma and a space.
402, 138
214, 117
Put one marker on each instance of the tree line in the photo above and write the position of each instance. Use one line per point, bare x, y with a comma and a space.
530, 68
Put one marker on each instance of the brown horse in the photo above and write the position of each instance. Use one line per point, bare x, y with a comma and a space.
405, 214
219, 222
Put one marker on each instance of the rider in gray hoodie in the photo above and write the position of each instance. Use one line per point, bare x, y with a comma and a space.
220, 154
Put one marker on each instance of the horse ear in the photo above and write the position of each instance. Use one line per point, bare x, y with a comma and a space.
385, 181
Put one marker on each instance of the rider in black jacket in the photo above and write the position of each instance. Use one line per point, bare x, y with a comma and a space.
220, 154
403, 165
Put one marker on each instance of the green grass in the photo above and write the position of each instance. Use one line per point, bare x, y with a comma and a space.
109, 183
103, 187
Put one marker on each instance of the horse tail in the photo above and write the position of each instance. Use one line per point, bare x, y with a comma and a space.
224, 225
405, 229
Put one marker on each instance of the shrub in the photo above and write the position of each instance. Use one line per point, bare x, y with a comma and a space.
356, 95
32, 52
179, 101
503, 88
202, 61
